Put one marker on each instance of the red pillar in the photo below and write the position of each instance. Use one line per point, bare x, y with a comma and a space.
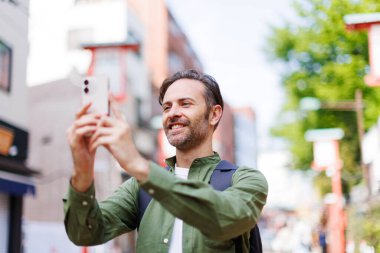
336, 214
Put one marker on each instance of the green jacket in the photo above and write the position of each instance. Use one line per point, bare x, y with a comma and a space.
211, 218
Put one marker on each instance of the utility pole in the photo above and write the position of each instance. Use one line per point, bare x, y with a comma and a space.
366, 22
327, 157
356, 106
359, 106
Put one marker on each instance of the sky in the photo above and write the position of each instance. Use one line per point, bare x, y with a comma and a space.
229, 37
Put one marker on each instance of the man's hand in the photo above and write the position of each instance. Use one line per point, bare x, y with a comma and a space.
115, 135
77, 134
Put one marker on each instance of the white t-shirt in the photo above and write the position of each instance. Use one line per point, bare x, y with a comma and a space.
176, 241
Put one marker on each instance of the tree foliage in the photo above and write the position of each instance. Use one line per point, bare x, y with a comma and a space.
364, 225
321, 59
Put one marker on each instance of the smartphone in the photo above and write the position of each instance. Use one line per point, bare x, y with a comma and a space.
95, 90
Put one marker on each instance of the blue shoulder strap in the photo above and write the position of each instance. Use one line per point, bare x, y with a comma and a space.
143, 201
221, 177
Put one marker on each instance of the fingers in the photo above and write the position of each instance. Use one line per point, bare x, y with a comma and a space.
108, 127
99, 129
101, 141
75, 134
106, 121
83, 119
88, 119
99, 133
87, 125
82, 127
115, 108
83, 110
85, 131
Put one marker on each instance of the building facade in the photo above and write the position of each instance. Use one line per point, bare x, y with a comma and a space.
126, 40
53, 106
246, 138
15, 173
69, 41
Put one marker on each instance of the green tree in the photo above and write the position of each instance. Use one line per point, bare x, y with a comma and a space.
364, 224
321, 59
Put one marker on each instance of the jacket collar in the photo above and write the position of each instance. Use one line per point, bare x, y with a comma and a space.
215, 158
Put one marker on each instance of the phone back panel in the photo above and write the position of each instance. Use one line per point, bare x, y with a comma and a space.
95, 90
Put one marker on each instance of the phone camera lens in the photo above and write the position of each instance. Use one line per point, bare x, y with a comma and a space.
86, 90
85, 82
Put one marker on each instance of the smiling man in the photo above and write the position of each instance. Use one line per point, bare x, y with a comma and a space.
186, 213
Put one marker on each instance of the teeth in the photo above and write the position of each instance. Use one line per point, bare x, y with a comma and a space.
176, 126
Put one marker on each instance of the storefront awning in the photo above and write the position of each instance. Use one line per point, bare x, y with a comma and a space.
16, 184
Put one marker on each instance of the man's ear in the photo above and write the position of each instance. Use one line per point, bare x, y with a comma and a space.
215, 115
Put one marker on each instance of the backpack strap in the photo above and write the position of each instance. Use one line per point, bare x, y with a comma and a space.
222, 175
221, 179
255, 245
143, 201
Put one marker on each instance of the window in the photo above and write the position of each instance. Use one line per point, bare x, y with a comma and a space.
5, 66
176, 63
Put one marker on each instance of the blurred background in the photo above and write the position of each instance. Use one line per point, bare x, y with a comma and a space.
299, 79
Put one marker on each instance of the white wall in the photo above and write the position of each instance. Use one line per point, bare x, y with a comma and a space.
50, 58
246, 140
14, 32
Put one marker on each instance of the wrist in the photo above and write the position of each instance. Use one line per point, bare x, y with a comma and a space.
81, 182
139, 169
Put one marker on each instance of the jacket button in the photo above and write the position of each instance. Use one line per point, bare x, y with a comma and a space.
84, 203
151, 191
166, 240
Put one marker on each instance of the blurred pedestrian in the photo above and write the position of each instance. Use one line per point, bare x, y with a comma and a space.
350, 246
284, 240
323, 239
186, 213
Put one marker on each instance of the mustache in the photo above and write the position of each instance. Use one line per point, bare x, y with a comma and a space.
178, 121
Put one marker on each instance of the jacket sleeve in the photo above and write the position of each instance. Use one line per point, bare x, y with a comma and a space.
89, 222
218, 215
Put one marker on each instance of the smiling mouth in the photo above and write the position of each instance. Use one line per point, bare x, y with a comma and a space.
176, 126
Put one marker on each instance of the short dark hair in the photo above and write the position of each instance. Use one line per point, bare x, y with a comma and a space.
212, 94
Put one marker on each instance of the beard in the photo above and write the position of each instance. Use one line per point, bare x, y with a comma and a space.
192, 134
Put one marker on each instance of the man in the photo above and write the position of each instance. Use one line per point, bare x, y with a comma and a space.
186, 214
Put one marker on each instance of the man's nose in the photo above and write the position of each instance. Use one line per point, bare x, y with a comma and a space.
175, 111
